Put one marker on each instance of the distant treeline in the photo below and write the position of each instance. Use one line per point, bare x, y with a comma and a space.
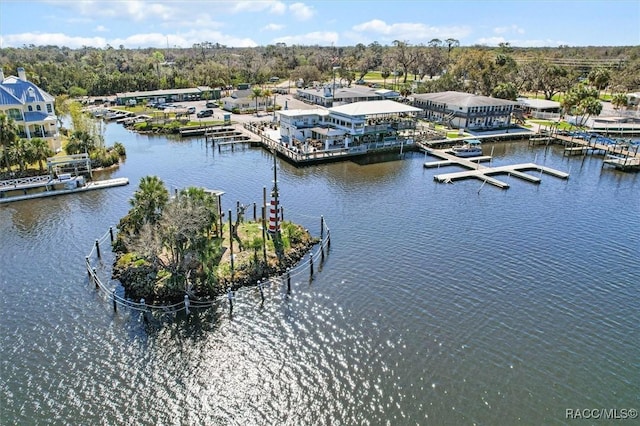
439, 65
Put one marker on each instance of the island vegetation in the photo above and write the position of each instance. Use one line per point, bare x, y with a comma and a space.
167, 247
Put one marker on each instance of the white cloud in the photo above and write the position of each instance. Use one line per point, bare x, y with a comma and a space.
134, 10
134, 41
243, 6
319, 37
411, 32
184, 40
273, 27
53, 39
101, 29
301, 11
508, 29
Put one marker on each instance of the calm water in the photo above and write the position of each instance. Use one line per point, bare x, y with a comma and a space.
438, 304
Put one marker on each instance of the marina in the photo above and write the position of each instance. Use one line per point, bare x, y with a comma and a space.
483, 173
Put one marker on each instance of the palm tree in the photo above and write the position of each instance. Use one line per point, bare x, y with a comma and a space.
20, 152
149, 200
8, 135
208, 201
266, 94
256, 93
619, 100
40, 150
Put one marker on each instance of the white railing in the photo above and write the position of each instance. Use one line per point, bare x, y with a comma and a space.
13, 183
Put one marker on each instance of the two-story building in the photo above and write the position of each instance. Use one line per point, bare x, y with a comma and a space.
466, 110
329, 96
31, 108
356, 126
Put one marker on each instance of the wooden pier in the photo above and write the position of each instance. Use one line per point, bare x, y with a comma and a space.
622, 163
580, 146
483, 173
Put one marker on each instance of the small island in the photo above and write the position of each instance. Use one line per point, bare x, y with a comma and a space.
171, 246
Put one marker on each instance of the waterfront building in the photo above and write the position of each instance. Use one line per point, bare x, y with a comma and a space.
539, 108
325, 96
168, 95
350, 126
466, 110
242, 100
30, 107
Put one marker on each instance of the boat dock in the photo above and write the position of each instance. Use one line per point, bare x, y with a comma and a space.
44, 186
483, 173
444, 163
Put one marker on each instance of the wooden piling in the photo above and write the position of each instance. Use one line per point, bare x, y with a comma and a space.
111, 233
230, 298
115, 303
98, 248
288, 280
321, 227
254, 212
261, 291
231, 242
311, 265
95, 277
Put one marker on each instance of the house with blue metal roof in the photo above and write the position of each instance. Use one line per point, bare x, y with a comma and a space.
31, 108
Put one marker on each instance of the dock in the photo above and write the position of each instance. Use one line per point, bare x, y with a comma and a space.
444, 163
622, 163
483, 173
44, 186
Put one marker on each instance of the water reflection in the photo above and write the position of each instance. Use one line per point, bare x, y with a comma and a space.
438, 304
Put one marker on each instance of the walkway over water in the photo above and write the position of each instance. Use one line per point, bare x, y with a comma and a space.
483, 173
44, 186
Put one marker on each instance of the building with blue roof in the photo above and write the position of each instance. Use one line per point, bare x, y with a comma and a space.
31, 108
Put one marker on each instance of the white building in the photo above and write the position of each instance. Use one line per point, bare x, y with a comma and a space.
242, 100
325, 95
352, 126
540, 108
466, 110
31, 108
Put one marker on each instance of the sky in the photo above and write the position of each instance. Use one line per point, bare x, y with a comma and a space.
248, 23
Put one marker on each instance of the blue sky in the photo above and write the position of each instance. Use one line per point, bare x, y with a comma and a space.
182, 23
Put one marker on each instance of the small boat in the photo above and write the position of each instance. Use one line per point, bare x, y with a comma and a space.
471, 148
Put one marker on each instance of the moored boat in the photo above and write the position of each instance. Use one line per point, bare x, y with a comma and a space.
471, 148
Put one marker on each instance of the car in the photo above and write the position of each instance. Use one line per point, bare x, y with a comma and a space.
191, 110
205, 113
211, 104
361, 81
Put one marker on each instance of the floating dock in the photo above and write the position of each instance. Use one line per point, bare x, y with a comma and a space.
52, 187
483, 173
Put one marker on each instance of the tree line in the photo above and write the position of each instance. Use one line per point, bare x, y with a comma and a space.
439, 65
